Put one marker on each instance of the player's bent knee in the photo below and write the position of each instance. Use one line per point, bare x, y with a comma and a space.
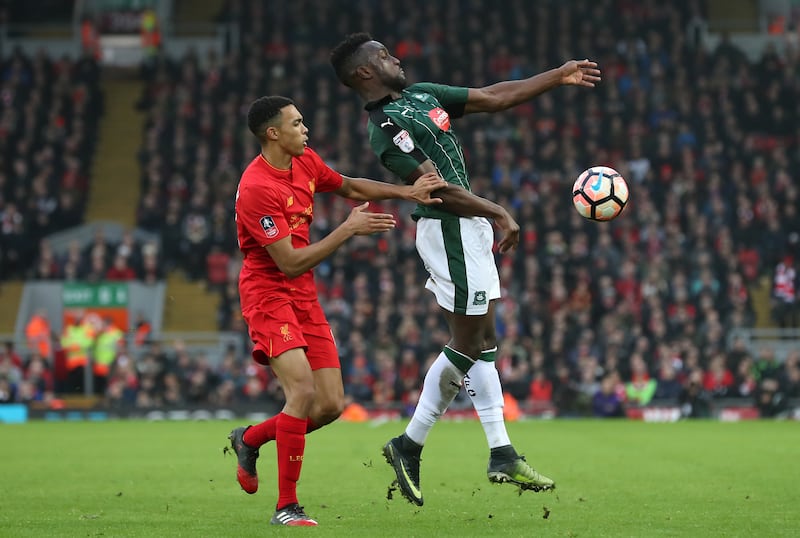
329, 411
326, 418
302, 394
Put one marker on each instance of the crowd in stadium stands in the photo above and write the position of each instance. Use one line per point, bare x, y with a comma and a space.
100, 260
594, 318
49, 111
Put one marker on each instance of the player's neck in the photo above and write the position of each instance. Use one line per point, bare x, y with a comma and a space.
376, 94
277, 159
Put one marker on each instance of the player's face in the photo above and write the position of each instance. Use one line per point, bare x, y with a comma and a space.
292, 133
387, 67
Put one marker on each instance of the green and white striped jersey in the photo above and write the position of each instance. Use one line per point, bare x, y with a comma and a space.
405, 132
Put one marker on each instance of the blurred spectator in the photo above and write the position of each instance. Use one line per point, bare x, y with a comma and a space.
47, 266
7, 391
718, 379
77, 341
196, 243
39, 335
152, 270
10, 352
786, 293
746, 381
790, 379
541, 388
694, 401
668, 386
408, 375
10, 378
607, 401
106, 347
770, 399
142, 330
565, 391
767, 365
123, 383
359, 380
90, 38
37, 383
514, 368
641, 388
120, 270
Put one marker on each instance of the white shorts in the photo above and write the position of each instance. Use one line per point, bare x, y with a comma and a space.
457, 254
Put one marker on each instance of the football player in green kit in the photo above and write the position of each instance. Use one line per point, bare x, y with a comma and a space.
410, 131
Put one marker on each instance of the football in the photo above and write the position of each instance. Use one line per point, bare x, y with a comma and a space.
600, 193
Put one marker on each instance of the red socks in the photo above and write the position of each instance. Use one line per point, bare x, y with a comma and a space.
290, 437
289, 433
257, 435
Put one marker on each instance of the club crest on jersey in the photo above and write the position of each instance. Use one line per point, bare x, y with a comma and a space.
440, 117
269, 226
403, 141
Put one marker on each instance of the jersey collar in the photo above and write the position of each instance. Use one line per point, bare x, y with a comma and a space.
380, 103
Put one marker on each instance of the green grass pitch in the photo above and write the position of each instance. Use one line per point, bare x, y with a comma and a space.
615, 478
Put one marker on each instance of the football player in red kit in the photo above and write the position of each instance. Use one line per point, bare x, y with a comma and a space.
274, 208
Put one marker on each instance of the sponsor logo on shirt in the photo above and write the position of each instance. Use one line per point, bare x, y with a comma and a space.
440, 118
304, 217
404, 141
269, 226
289, 201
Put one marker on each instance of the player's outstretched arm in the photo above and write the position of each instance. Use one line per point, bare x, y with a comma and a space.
293, 262
510, 93
363, 189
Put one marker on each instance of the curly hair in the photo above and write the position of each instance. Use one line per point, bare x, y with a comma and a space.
264, 111
344, 57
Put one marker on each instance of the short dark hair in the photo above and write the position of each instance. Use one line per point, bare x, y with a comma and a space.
263, 111
343, 56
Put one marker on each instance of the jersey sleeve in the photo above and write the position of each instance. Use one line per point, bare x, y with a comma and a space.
260, 213
452, 98
395, 147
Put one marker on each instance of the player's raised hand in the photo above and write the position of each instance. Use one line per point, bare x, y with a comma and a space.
420, 191
510, 230
362, 222
580, 73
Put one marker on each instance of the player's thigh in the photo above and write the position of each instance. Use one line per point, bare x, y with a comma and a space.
489, 329
328, 390
294, 372
323, 358
467, 333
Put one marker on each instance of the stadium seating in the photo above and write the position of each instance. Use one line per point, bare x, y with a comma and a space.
50, 111
707, 140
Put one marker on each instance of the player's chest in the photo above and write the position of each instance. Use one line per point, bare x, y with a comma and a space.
298, 202
422, 117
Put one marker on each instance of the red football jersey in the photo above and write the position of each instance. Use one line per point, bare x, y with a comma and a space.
271, 204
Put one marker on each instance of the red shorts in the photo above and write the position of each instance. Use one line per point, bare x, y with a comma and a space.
292, 325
